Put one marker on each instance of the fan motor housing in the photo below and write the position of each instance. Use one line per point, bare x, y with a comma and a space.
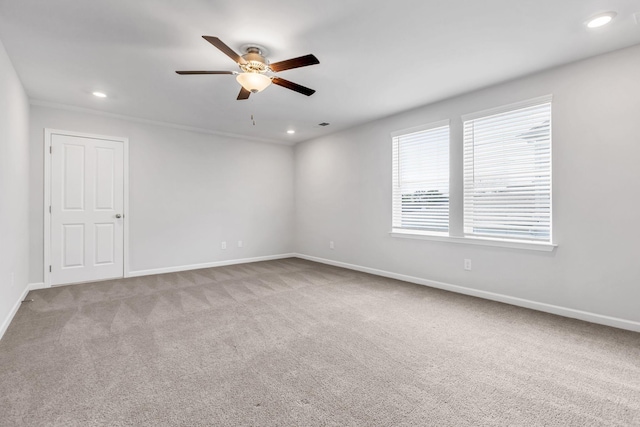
256, 62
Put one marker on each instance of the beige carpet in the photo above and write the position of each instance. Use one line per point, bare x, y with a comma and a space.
295, 343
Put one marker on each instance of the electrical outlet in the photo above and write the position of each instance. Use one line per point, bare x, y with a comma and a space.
239, 243
331, 245
223, 245
467, 264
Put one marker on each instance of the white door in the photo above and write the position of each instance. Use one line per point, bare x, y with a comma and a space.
87, 201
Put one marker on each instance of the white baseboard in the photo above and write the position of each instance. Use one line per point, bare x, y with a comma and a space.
534, 305
16, 306
36, 286
41, 285
207, 265
14, 310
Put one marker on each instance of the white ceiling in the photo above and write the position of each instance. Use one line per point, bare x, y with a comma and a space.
376, 57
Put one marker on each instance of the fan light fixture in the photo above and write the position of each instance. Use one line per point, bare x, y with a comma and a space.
253, 82
600, 19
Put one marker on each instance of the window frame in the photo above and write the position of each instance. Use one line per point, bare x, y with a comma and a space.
485, 114
394, 176
456, 233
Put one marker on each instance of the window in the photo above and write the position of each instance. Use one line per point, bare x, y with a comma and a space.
507, 172
421, 179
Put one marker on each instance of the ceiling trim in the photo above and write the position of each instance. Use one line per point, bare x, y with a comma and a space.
40, 103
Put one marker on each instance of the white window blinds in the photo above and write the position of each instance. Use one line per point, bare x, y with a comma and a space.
421, 179
507, 173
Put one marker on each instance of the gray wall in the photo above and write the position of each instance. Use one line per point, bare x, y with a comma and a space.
188, 192
14, 188
343, 193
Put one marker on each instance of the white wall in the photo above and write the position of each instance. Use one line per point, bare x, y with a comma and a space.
14, 189
188, 192
343, 193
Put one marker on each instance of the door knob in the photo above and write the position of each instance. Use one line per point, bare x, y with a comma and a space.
118, 216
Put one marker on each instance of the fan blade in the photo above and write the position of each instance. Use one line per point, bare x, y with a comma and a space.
293, 86
301, 61
244, 94
186, 73
225, 49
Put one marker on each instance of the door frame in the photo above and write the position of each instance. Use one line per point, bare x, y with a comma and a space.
48, 133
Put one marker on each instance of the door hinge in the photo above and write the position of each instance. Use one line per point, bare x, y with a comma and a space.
50, 149
49, 269
49, 208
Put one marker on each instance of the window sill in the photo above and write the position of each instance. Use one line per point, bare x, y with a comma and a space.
514, 244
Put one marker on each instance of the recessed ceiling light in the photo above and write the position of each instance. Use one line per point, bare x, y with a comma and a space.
291, 131
600, 19
100, 94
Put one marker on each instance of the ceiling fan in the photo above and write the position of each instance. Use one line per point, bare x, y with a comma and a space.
254, 66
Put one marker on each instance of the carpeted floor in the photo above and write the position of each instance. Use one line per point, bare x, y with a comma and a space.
295, 343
